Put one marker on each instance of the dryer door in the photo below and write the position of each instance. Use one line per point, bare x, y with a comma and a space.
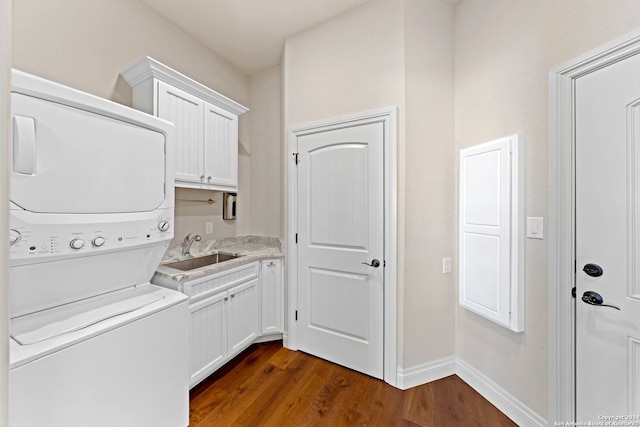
71, 161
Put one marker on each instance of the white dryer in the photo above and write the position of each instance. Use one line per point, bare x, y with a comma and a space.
93, 343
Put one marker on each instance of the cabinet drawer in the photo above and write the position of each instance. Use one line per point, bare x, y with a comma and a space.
206, 286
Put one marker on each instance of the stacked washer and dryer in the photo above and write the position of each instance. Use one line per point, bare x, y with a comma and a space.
93, 343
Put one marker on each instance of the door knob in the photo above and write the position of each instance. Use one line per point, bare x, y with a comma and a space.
374, 263
594, 298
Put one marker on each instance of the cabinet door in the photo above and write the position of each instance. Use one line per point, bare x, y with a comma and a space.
221, 148
271, 289
242, 316
490, 282
207, 337
186, 112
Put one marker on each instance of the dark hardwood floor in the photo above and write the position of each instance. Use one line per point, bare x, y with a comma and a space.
268, 385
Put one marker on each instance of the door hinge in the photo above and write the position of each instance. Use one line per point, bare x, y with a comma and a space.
296, 237
296, 158
296, 315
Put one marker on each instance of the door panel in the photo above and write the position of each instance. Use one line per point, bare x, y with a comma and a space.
341, 227
338, 191
607, 215
339, 290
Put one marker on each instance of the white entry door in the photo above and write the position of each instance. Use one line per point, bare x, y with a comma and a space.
608, 243
340, 246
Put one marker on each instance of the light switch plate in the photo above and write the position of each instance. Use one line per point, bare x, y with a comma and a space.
535, 227
208, 227
446, 265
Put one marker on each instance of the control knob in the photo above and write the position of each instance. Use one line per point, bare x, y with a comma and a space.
163, 225
76, 244
97, 241
14, 237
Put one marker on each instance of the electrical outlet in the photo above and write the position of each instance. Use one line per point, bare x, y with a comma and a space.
208, 227
446, 265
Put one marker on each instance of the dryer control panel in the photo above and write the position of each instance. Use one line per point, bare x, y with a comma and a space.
32, 242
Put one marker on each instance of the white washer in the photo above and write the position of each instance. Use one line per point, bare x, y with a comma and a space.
92, 341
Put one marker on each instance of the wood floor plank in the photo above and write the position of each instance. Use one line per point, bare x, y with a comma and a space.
285, 382
269, 385
213, 392
386, 404
330, 407
236, 370
355, 402
242, 397
303, 394
419, 405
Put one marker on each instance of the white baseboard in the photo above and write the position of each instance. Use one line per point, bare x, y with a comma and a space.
520, 413
267, 338
426, 373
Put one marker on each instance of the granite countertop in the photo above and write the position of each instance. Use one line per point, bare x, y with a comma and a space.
247, 248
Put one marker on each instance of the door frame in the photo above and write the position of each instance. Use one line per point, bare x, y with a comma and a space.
5, 108
561, 250
388, 117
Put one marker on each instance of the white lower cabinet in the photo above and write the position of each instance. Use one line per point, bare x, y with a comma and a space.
207, 337
221, 327
230, 310
272, 297
243, 323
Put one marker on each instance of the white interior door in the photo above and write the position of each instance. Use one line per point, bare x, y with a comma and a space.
607, 242
341, 246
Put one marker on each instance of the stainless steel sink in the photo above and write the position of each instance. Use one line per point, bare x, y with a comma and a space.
193, 263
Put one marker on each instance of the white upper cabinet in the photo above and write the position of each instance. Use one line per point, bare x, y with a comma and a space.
186, 112
220, 146
206, 148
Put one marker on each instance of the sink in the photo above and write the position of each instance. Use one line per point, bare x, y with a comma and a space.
193, 263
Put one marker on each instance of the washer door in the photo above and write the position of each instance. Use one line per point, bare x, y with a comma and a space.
68, 160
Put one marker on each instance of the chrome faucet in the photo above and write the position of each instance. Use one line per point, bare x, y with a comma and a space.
188, 241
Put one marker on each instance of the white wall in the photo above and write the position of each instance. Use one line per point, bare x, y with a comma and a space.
85, 44
266, 153
504, 50
395, 53
429, 207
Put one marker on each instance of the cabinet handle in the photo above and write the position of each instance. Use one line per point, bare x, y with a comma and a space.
226, 298
233, 296
208, 178
271, 264
201, 177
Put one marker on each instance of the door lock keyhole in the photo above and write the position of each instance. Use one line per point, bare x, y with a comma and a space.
593, 270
